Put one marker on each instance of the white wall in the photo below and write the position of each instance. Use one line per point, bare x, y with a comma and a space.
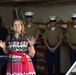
42, 13
7, 16
63, 12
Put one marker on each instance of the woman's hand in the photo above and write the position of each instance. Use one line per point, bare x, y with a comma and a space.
2, 44
31, 42
31, 48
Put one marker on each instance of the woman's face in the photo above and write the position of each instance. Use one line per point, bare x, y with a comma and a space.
17, 26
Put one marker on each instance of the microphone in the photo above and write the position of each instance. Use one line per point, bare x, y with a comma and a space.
11, 34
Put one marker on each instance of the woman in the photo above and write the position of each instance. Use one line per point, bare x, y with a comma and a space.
20, 47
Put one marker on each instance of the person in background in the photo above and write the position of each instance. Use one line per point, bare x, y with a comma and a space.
71, 38
33, 30
3, 31
53, 38
3, 35
20, 48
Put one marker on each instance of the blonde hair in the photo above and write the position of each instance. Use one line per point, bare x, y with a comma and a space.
22, 25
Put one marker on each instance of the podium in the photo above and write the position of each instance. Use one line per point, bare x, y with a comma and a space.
72, 70
3, 59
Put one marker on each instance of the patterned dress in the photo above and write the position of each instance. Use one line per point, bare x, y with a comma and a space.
19, 62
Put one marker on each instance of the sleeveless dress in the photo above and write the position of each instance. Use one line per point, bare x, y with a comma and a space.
19, 62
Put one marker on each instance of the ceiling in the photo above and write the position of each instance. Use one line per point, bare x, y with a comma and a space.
36, 2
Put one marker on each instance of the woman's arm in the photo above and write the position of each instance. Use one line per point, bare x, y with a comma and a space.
32, 51
31, 48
